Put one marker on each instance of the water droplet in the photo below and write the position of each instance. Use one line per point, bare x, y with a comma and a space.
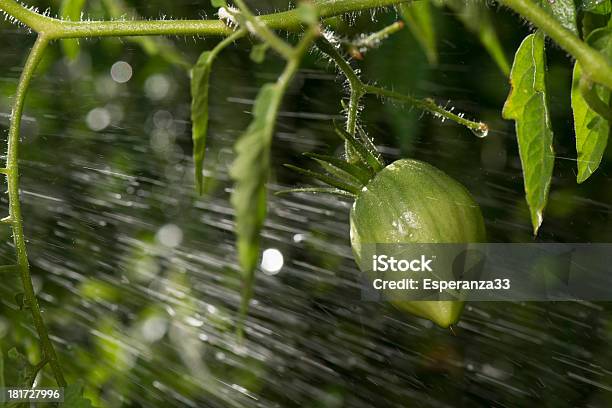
98, 119
121, 72
169, 235
194, 321
482, 131
157, 87
154, 328
272, 261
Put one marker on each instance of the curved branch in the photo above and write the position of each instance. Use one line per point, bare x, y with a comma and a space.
14, 218
356, 92
290, 20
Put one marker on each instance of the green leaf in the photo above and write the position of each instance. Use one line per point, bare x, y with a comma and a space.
359, 173
250, 172
73, 397
369, 144
71, 10
417, 15
316, 190
596, 6
592, 129
527, 106
200, 81
218, 3
591, 22
601, 40
564, 11
365, 155
476, 17
339, 174
332, 181
200, 84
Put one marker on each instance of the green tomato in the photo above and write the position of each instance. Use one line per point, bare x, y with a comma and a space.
410, 201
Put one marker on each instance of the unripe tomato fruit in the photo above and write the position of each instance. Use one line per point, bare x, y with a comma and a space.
410, 201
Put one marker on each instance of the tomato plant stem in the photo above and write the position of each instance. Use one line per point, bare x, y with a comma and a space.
431, 106
358, 89
288, 20
15, 219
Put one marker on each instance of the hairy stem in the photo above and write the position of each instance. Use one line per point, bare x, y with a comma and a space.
288, 20
373, 40
428, 105
15, 219
353, 110
359, 89
356, 93
593, 63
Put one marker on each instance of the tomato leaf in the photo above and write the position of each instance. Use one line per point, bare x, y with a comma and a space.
527, 106
564, 11
476, 17
366, 157
592, 129
71, 10
333, 180
358, 173
200, 82
250, 173
417, 15
316, 190
73, 397
596, 6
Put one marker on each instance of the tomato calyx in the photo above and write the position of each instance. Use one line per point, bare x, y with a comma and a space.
342, 177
